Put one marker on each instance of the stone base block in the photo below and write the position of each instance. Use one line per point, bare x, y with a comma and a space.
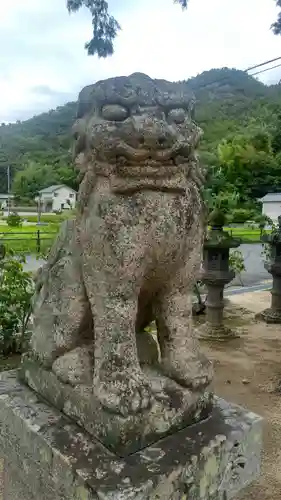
123, 435
48, 457
270, 316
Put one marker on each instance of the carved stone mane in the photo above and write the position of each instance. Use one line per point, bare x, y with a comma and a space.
131, 255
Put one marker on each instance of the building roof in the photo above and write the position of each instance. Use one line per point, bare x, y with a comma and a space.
270, 197
52, 189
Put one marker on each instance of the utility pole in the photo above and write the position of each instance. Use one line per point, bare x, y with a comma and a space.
39, 208
9, 186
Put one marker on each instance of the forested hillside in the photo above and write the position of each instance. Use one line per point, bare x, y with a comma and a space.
240, 117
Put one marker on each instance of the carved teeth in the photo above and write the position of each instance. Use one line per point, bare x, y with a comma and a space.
176, 155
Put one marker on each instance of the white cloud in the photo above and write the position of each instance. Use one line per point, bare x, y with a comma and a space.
44, 46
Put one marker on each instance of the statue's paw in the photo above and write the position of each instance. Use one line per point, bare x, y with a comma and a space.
192, 371
75, 367
126, 393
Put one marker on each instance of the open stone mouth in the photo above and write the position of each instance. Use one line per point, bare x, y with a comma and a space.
149, 163
149, 168
127, 155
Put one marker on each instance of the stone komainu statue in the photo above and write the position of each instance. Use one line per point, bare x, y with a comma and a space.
131, 255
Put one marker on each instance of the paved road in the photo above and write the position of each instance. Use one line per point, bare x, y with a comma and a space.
32, 264
254, 274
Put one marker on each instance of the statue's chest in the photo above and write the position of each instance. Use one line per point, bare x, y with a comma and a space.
148, 219
146, 209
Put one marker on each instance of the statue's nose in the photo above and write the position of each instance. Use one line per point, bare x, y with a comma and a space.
153, 135
153, 141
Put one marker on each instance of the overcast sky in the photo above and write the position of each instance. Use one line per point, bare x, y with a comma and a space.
43, 62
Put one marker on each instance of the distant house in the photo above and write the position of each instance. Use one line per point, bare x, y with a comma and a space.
57, 198
4, 200
271, 205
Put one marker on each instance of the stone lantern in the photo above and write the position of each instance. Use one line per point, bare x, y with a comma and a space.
216, 274
273, 266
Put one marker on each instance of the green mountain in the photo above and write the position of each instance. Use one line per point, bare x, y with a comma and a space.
229, 102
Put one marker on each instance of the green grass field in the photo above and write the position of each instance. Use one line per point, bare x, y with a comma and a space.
25, 239
246, 234
28, 239
45, 217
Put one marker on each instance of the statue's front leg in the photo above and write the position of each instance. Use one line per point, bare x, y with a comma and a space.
112, 273
182, 358
119, 381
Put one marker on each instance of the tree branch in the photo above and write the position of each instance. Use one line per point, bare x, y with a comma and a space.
276, 27
105, 26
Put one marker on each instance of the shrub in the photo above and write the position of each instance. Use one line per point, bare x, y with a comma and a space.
263, 221
236, 261
26, 202
241, 215
14, 220
16, 291
20, 209
48, 218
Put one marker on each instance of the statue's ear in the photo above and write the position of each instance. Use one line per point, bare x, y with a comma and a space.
82, 109
192, 110
85, 101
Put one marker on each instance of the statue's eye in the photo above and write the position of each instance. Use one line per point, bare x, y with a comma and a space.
177, 115
114, 113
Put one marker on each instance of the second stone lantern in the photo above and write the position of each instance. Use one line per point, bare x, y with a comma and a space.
216, 274
273, 266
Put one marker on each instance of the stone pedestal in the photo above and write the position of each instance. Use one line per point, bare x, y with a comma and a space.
122, 435
273, 266
48, 457
216, 275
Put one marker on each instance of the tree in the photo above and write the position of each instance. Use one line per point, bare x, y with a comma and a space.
249, 165
276, 134
277, 25
67, 174
105, 26
37, 176
28, 182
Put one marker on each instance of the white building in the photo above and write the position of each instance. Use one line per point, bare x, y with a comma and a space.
57, 198
271, 205
4, 200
